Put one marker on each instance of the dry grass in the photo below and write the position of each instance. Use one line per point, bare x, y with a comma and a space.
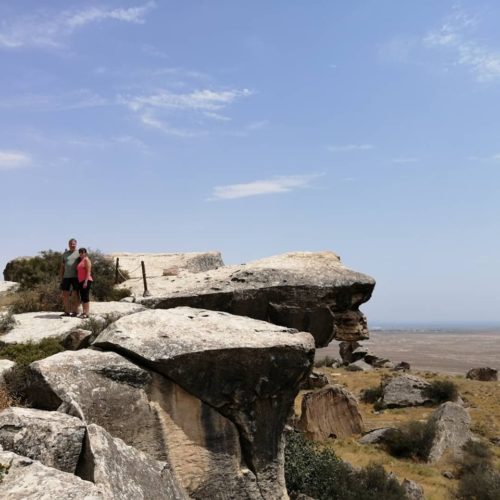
6, 400
483, 399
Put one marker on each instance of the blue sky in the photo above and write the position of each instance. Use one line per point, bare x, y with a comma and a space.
368, 128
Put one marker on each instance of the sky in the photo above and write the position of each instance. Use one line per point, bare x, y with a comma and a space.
367, 128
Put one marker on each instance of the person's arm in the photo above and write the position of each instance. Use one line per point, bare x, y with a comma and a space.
88, 268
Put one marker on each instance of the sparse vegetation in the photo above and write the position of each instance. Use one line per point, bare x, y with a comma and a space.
411, 440
98, 324
441, 391
42, 297
372, 394
24, 354
318, 472
7, 322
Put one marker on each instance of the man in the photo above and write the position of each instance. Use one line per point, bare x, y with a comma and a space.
69, 280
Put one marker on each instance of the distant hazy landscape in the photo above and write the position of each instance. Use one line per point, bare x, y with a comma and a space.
439, 348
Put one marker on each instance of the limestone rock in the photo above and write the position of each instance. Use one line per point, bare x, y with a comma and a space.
315, 381
27, 478
452, 424
485, 374
7, 286
156, 263
53, 438
308, 291
77, 339
121, 471
413, 490
5, 366
116, 308
248, 370
374, 360
402, 366
405, 390
376, 435
359, 366
346, 349
331, 412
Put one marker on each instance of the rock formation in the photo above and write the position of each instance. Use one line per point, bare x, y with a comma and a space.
405, 390
311, 292
484, 374
331, 412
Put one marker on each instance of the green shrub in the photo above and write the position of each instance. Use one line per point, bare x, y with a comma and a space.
372, 394
412, 440
319, 473
42, 297
7, 322
103, 272
441, 391
24, 354
32, 271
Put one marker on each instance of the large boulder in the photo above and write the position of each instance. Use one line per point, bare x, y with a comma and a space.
308, 291
121, 471
405, 390
27, 478
484, 374
331, 412
376, 436
53, 438
346, 349
452, 426
249, 371
413, 490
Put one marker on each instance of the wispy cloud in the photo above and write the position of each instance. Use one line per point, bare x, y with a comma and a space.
148, 119
48, 30
275, 185
13, 159
80, 98
457, 36
350, 147
408, 159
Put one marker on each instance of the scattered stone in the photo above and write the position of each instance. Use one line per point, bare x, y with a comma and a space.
448, 474
5, 366
359, 366
77, 339
308, 291
413, 490
402, 366
376, 436
452, 423
315, 381
121, 471
484, 374
27, 478
346, 349
495, 440
53, 438
374, 360
405, 390
359, 353
331, 412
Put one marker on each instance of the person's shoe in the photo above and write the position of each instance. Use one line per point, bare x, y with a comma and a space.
64, 315
73, 315
83, 316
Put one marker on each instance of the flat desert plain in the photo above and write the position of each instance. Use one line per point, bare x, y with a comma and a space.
453, 351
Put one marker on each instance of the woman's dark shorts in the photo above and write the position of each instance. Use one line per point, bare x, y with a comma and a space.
68, 284
84, 292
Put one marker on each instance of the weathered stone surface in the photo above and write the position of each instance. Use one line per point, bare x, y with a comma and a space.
315, 381
121, 471
5, 366
376, 436
331, 412
452, 423
77, 339
405, 390
485, 374
7, 286
413, 490
53, 438
359, 366
402, 366
116, 308
308, 291
374, 360
156, 263
346, 349
248, 370
27, 478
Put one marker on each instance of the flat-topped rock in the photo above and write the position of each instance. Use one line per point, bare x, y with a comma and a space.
157, 263
405, 390
27, 478
309, 291
115, 308
7, 286
249, 371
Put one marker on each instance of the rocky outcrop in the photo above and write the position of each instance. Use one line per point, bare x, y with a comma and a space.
331, 412
413, 490
53, 438
249, 371
315, 380
27, 478
7, 286
359, 366
157, 263
77, 339
376, 435
308, 291
121, 471
5, 366
484, 374
405, 390
452, 431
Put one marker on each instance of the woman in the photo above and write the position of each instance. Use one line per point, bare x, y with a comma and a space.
84, 269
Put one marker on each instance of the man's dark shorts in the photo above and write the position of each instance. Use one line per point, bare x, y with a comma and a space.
68, 284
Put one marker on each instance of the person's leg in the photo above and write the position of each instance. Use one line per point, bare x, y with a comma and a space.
66, 301
86, 304
65, 287
75, 296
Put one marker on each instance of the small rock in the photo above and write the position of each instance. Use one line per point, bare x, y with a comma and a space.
359, 366
495, 440
448, 474
128, 300
375, 436
402, 366
315, 381
484, 374
375, 360
5, 366
413, 490
77, 339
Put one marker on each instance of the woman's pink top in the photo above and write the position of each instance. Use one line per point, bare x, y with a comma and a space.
82, 271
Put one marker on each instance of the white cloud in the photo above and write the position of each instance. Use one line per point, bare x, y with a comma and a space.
13, 159
408, 159
47, 30
455, 35
350, 147
153, 122
283, 184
